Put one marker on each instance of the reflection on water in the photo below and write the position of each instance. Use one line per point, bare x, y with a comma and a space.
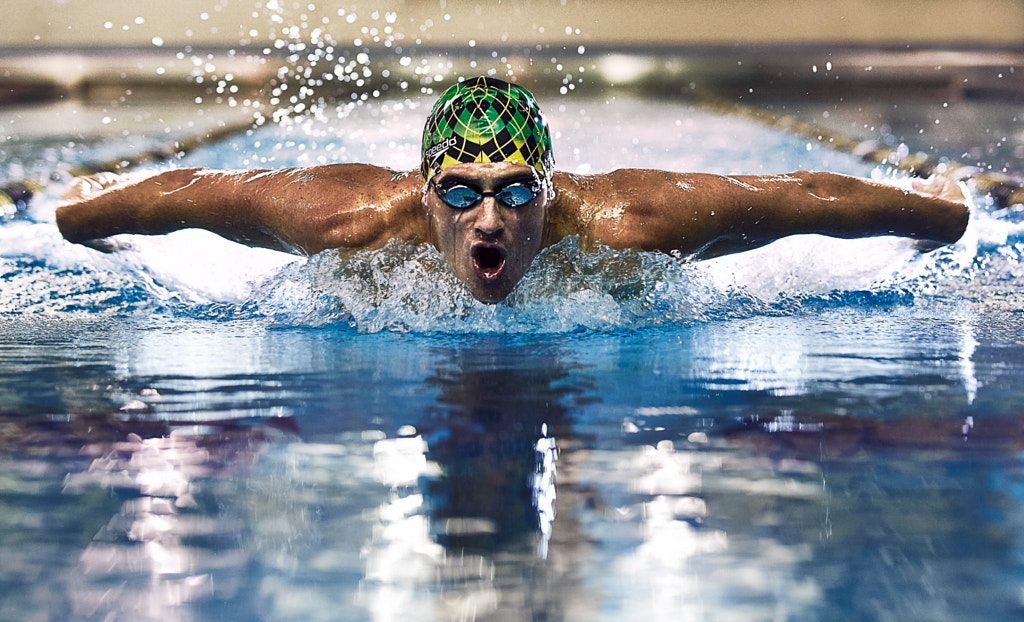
871, 471
474, 494
163, 549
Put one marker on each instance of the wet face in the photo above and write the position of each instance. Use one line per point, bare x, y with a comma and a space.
489, 244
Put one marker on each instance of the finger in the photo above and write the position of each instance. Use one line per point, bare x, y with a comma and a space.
106, 179
84, 187
934, 185
964, 194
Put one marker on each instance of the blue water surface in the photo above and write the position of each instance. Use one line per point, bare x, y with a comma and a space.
820, 429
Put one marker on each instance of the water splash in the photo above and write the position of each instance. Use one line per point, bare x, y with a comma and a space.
402, 288
408, 288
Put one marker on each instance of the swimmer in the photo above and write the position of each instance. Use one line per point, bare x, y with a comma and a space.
487, 196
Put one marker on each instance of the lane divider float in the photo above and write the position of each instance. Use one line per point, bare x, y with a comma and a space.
1004, 189
16, 195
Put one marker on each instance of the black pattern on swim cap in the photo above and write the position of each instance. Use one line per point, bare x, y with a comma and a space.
486, 120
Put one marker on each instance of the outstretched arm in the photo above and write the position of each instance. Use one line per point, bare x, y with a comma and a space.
301, 210
709, 215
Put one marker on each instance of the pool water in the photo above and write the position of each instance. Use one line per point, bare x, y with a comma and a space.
820, 429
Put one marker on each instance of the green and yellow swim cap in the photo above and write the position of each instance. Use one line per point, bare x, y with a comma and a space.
486, 120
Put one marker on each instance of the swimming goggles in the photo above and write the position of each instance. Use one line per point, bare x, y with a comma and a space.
514, 194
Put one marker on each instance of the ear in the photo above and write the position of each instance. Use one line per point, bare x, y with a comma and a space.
549, 195
424, 201
429, 212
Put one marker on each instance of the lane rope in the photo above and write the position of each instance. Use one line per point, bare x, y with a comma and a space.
16, 195
1004, 190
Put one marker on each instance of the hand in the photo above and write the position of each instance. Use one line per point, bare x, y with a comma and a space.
82, 188
941, 187
112, 244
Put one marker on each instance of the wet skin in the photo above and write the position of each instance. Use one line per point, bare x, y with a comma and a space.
490, 245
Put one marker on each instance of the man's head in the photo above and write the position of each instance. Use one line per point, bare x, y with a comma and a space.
488, 165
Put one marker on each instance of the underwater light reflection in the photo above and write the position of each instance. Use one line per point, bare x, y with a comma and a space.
145, 560
470, 509
699, 523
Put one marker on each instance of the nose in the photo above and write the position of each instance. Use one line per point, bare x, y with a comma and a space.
490, 222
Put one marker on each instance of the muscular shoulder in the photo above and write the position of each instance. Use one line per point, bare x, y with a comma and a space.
350, 184
626, 208
350, 206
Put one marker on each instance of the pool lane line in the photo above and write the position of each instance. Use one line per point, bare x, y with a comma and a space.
15, 195
1004, 190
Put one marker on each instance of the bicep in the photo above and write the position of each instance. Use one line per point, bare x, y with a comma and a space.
352, 206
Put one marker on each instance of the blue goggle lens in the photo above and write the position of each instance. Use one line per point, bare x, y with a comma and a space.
463, 197
518, 194
459, 197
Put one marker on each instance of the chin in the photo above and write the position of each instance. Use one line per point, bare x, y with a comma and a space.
489, 292
490, 296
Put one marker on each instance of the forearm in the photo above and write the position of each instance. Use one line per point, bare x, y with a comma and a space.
844, 206
152, 205
834, 205
223, 202
301, 210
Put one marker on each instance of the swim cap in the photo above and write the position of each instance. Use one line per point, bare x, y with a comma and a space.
486, 120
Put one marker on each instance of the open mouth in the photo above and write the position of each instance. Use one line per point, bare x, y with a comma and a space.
488, 261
